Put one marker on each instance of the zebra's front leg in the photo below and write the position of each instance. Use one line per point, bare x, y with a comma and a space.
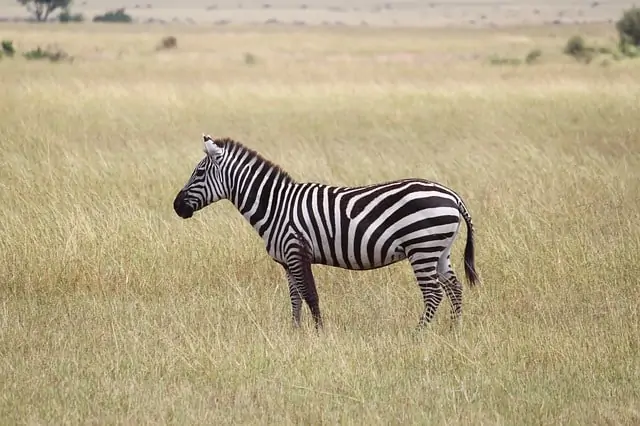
296, 298
311, 295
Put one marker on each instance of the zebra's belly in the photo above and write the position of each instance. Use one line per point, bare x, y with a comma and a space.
361, 262
393, 258
357, 267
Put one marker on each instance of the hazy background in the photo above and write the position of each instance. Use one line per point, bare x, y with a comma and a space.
438, 13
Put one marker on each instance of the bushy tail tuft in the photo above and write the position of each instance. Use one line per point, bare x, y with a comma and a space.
469, 249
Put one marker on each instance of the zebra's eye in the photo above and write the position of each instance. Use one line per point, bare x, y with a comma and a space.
200, 172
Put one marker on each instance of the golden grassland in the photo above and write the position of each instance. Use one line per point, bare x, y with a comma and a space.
114, 310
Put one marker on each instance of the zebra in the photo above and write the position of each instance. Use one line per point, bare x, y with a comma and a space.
357, 228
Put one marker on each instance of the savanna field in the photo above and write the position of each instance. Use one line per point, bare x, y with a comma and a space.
115, 311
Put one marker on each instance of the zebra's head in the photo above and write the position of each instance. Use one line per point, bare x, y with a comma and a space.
206, 185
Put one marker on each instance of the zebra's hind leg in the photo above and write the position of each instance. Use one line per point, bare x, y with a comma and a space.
452, 286
294, 295
424, 269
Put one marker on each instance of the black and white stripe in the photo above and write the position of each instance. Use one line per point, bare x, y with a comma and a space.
358, 228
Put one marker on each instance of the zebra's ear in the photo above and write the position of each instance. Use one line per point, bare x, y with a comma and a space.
210, 148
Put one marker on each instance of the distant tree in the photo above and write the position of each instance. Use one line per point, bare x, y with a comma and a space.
41, 9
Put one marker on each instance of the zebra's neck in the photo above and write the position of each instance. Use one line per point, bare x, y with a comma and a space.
257, 187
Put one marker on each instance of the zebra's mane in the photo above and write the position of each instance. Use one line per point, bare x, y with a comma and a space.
235, 146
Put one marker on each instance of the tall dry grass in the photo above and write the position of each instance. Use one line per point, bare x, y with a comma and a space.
113, 310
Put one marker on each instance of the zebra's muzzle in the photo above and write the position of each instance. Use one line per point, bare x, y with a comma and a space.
180, 206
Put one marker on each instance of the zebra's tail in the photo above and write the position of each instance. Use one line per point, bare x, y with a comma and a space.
469, 249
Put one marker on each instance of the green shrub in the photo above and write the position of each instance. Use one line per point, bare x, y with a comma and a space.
169, 42
499, 60
118, 15
250, 58
533, 56
36, 54
629, 27
617, 56
577, 47
605, 50
7, 48
51, 55
629, 50
66, 16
